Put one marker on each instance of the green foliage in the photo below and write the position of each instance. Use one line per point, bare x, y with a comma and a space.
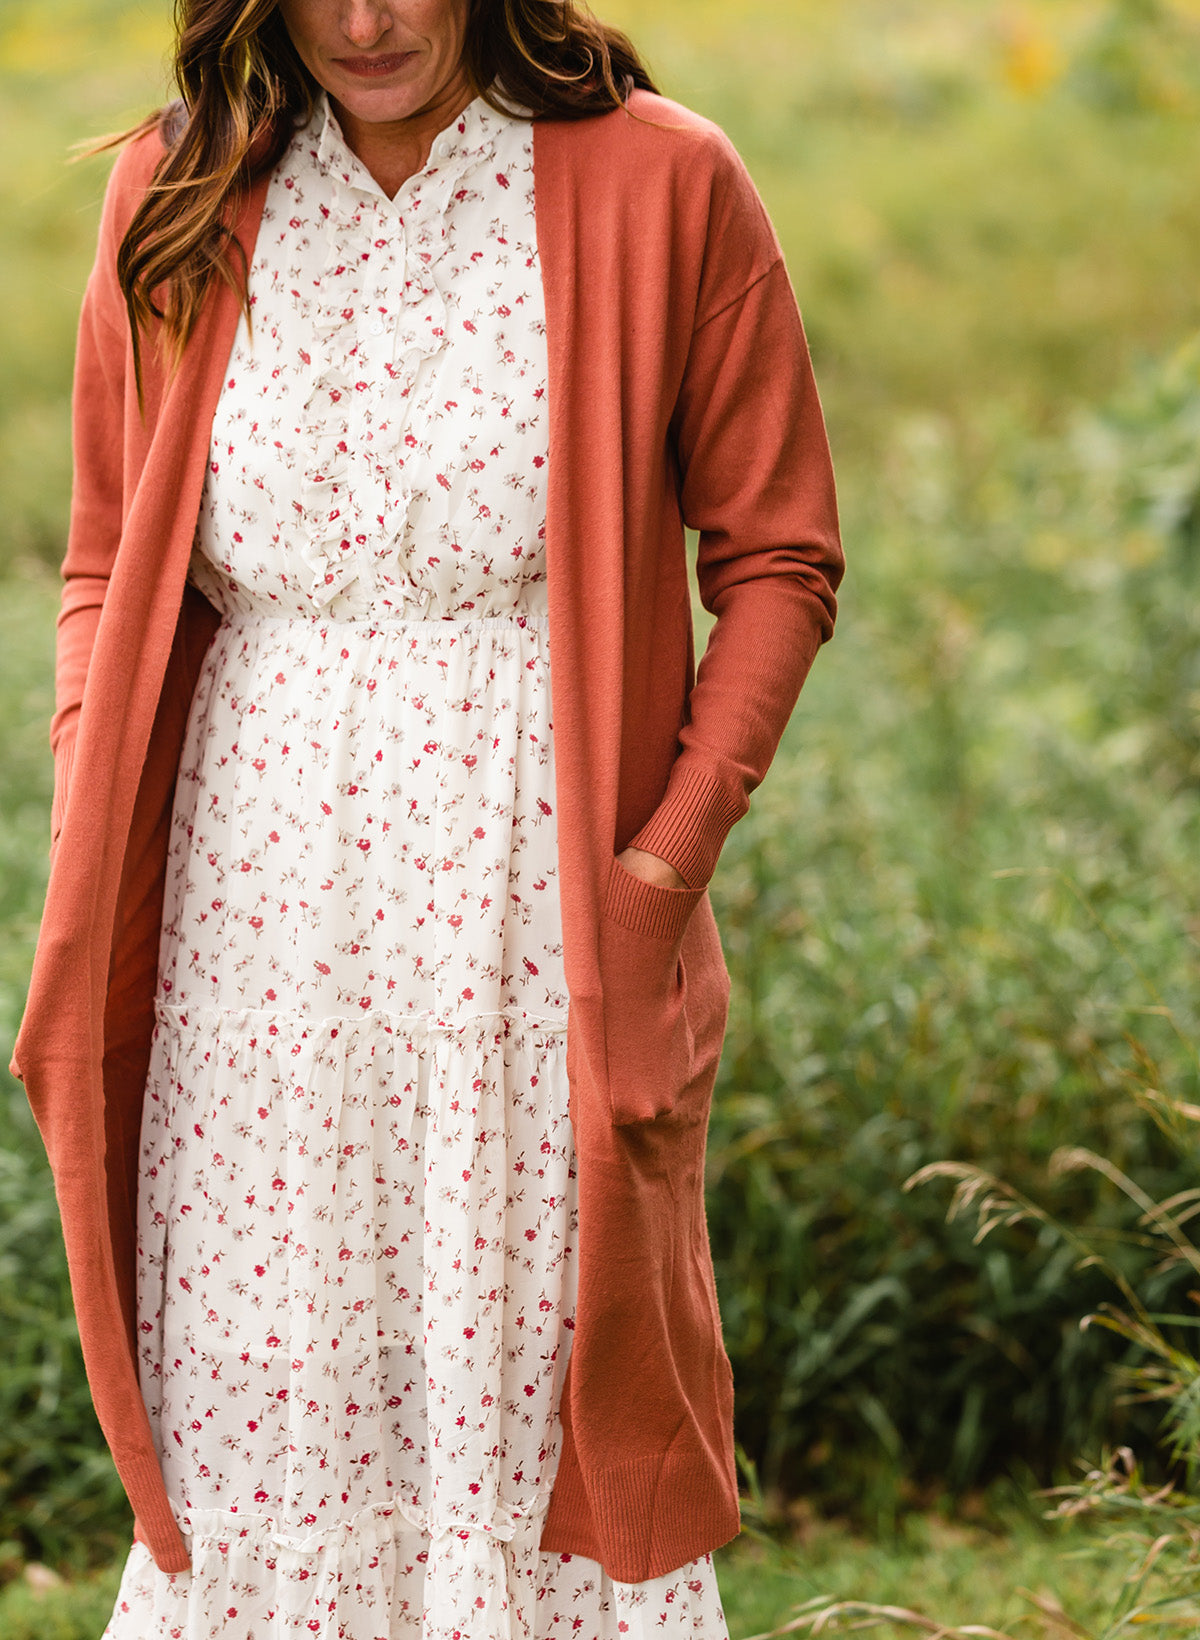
1151, 1529
993, 1567
68, 75
1140, 58
970, 875
1144, 1542
959, 188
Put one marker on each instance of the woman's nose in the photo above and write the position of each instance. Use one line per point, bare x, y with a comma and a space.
365, 22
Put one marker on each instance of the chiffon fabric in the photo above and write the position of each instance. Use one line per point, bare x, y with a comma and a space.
357, 1205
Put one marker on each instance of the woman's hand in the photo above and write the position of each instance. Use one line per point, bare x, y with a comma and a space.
650, 868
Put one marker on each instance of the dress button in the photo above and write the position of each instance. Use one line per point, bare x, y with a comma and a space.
376, 326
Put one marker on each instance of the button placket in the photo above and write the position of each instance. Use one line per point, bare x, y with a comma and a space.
388, 309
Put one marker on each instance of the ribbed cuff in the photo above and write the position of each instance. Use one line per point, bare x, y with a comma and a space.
647, 908
643, 1519
157, 1527
689, 827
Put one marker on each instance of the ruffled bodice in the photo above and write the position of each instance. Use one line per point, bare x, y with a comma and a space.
383, 421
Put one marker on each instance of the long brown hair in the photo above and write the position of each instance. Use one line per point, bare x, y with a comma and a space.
243, 88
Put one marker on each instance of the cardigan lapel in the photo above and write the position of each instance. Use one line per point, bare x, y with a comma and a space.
584, 553
645, 1473
91, 1139
139, 620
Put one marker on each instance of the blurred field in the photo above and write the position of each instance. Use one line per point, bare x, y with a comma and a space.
962, 916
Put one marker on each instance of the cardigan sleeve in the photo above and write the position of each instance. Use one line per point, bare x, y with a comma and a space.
757, 483
97, 490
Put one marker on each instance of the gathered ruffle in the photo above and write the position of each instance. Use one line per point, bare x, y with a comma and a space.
394, 1199
353, 503
347, 1156
390, 1572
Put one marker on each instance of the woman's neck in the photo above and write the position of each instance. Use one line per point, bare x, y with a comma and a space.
394, 150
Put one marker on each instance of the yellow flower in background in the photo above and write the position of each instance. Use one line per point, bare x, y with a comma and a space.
1032, 61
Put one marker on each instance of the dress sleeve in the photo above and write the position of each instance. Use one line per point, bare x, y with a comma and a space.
98, 420
757, 483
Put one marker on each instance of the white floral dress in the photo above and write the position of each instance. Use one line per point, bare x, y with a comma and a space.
357, 1205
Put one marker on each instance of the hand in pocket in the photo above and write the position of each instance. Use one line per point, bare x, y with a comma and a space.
649, 868
648, 1038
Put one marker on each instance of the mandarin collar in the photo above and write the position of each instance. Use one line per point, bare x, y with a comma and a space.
468, 138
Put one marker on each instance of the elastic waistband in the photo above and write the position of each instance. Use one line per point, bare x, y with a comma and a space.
367, 627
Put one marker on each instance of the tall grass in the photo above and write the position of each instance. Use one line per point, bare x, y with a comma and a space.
1145, 1543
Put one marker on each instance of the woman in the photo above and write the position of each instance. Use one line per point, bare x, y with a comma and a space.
375, 1016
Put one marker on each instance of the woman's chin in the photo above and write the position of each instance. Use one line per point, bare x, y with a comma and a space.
405, 91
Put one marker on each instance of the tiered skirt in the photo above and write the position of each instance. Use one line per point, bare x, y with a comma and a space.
357, 1207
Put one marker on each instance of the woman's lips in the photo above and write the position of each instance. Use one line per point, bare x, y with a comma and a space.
373, 68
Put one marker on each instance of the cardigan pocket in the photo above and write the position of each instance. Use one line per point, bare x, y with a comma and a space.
649, 1043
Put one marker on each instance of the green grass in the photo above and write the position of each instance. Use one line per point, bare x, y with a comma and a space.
951, 1569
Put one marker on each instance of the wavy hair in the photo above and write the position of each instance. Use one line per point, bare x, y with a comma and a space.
242, 90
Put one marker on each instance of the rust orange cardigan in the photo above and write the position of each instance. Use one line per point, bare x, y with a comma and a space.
680, 392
